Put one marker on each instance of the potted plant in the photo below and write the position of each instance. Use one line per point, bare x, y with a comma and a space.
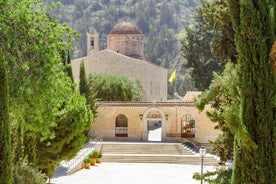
192, 123
86, 163
93, 157
98, 159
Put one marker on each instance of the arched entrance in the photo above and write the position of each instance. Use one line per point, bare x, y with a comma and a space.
187, 126
121, 126
153, 125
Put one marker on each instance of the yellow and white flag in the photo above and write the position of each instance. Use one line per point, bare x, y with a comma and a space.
172, 77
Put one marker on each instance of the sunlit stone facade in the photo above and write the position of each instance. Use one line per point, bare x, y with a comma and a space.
179, 120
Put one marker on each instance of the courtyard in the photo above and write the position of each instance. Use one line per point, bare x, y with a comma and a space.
133, 173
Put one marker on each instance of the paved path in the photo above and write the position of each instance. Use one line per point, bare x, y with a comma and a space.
129, 173
134, 173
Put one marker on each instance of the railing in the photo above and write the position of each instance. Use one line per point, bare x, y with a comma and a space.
84, 152
121, 131
195, 145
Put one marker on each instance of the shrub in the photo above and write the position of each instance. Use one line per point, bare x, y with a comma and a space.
27, 174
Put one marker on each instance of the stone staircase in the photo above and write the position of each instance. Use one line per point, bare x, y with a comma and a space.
68, 167
174, 153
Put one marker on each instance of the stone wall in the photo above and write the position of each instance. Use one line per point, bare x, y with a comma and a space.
152, 77
171, 121
129, 45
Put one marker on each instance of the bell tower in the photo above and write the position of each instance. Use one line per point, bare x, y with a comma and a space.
92, 41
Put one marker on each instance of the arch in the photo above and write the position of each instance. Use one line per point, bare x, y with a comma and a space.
157, 110
153, 115
121, 126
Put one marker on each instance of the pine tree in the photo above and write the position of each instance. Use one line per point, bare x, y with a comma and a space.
5, 134
197, 50
255, 146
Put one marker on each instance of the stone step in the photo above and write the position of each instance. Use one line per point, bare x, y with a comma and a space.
174, 153
171, 159
174, 149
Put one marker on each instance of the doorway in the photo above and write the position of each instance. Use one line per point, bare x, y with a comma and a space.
154, 125
154, 130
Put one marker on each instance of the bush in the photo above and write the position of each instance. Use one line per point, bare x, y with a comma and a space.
222, 175
25, 173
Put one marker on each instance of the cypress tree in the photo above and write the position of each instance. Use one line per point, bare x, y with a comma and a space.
63, 57
66, 61
255, 145
5, 134
83, 80
69, 67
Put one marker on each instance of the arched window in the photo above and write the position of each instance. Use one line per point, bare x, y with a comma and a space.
187, 126
121, 129
92, 43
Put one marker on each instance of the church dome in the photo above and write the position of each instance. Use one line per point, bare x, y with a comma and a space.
125, 28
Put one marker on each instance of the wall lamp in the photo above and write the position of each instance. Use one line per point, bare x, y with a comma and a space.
141, 116
166, 116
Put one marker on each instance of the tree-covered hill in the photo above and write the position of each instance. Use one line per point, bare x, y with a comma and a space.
160, 20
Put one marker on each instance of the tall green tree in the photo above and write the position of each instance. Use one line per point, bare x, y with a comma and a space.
50, 115
83, 88
66, 61
73, 119
224, 45
86, 90
6, 167
216, 14
197, 50
224, 98
69, 67
255, 146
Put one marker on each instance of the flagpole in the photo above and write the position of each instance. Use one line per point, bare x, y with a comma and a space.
174, 86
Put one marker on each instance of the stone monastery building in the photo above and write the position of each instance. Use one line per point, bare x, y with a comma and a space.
123, 56
179, 121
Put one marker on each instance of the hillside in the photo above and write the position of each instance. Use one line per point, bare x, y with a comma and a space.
160, 20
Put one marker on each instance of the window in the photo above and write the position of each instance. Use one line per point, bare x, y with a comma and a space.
92, 43
121, 129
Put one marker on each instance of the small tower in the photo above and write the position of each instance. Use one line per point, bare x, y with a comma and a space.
92, 41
